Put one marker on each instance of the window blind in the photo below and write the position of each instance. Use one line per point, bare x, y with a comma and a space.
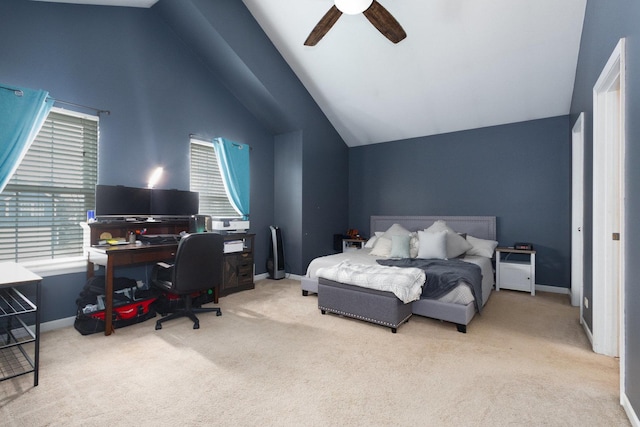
46, 199
207, 181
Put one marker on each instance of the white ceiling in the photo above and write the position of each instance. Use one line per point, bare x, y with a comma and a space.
465, 64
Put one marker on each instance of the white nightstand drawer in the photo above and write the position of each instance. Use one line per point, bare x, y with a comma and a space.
515, 276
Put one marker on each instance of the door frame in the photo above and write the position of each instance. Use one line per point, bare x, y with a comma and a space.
609, 208
577, 214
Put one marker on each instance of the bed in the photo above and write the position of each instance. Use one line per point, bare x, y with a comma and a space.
457, 306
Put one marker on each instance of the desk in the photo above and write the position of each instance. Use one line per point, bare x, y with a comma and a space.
14, 332
238, 266
115, 256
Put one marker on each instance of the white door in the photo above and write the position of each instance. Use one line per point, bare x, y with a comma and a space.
577, 212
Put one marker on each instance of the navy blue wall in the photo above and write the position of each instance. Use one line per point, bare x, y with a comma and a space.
520, 173
607, 21
179, 68
233, 45
288, 196
130, 62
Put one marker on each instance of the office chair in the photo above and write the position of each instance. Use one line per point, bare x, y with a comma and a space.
197, 267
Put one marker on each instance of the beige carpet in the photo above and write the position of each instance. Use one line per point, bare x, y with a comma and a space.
273, 359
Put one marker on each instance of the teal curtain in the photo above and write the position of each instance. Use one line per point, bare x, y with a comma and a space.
233, 160
22, 113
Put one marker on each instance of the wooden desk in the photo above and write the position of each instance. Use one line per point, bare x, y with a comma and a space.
238, 266
115, 256
122, 255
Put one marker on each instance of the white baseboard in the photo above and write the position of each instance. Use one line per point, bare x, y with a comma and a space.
553, 289
633, 417
57, 324
287, 275
587, 331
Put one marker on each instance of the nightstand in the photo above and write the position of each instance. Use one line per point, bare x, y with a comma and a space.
516, 274
349, 245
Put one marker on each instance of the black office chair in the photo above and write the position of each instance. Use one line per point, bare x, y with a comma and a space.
197, 267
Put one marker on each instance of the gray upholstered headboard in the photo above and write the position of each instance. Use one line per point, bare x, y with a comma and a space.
482, 227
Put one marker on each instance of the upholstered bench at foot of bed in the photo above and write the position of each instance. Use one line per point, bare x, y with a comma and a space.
382, 308
308, 285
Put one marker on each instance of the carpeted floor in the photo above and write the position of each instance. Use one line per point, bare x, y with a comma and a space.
273, 359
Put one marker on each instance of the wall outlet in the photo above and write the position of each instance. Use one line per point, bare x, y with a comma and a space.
586, 302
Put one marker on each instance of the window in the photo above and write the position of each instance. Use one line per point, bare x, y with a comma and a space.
207, 181
46, 199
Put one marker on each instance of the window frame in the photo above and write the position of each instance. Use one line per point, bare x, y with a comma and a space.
227, 212
66, 264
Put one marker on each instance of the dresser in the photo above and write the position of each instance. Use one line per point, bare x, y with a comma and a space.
238, 263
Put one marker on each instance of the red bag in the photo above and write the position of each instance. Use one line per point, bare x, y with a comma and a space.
127, 311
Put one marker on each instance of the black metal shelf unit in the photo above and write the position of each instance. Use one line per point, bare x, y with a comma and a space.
19, 342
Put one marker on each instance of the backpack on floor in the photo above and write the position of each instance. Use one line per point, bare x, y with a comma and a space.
130, 305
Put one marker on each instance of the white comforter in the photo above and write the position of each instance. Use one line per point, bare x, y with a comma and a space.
459, 295
405, 283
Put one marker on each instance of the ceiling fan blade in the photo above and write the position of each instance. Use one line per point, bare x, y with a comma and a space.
323, 26
385, 22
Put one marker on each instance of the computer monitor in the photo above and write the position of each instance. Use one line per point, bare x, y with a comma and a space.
118, 200
174, 202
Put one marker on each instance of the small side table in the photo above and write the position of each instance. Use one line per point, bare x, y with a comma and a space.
14, 331
349, 245
517, 275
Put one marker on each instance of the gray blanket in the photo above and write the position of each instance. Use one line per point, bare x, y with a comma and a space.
443, 276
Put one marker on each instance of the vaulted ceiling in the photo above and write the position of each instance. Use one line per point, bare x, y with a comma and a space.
464, 64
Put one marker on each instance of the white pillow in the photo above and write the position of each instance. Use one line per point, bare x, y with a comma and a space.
481, 247
400, 246
382, 247
432, 245
395, 229
414, 245
373, 239
456, 244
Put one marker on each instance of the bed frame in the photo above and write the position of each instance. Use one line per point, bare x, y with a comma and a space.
483, 227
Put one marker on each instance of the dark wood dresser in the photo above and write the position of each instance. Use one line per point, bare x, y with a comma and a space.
238, 265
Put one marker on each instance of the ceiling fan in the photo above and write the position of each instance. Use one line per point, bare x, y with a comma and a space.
372, 10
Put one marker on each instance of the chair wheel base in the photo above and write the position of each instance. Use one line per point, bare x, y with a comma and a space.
158, 325
196, 326
218, 313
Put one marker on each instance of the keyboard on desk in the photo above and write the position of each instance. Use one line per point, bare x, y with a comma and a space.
159, 239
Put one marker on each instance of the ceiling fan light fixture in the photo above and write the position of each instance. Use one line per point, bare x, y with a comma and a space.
353, 7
